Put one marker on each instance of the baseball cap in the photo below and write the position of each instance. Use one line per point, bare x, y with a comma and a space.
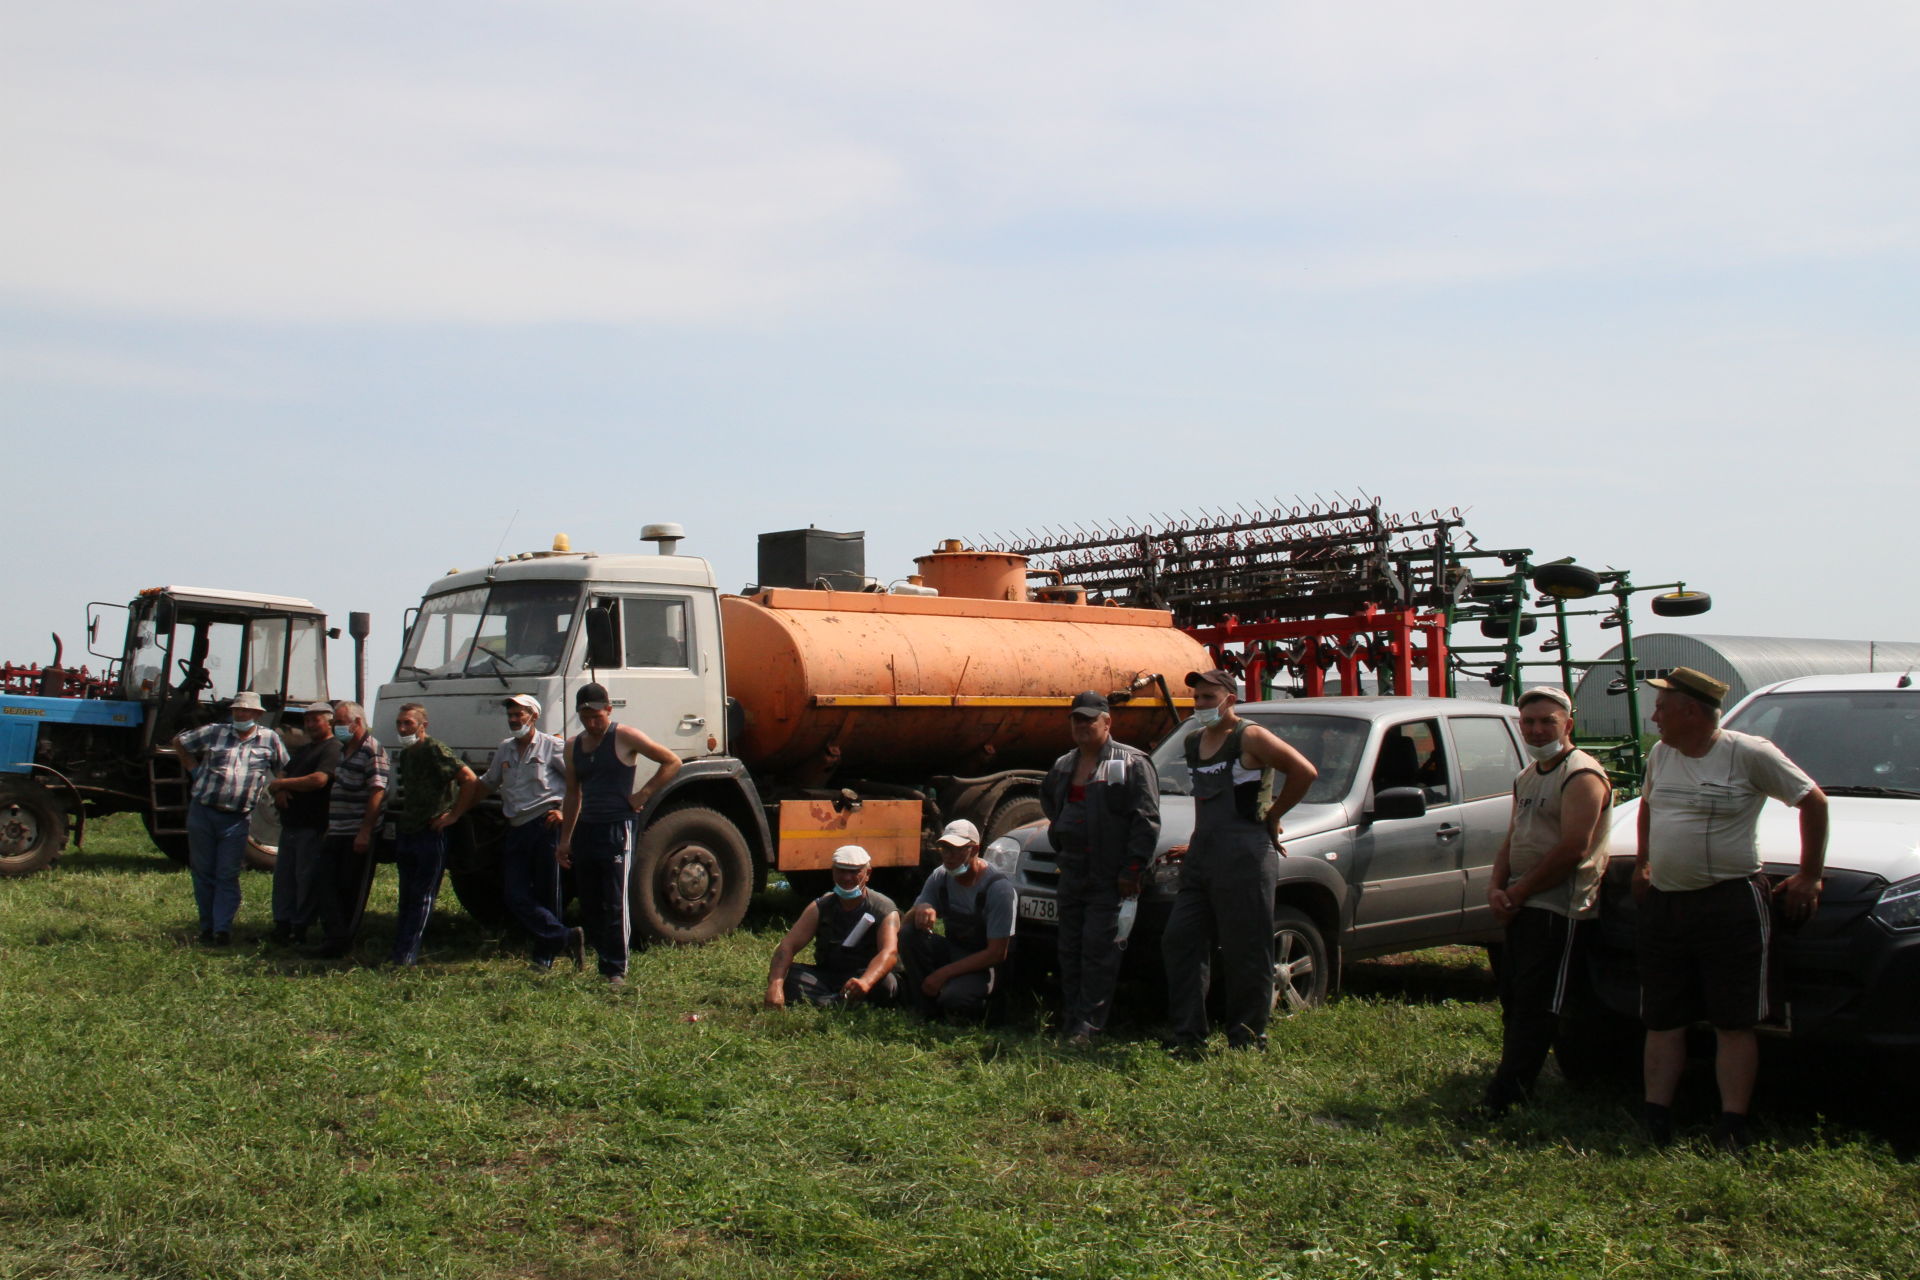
1552, 693
1216, 677
248, 700
528, 701
1088, 704
592, 695
851, 857
1695, 684
960, 832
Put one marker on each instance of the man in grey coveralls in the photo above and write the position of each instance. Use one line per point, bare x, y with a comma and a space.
1102, 800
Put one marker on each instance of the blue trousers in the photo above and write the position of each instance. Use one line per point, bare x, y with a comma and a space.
601, 851
420, 859
216, 847
530, 882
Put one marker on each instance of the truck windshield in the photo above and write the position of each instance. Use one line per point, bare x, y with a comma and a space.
1847, 741
1331, 743
510, 628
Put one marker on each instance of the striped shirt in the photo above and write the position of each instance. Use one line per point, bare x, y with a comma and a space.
233, 770
363, 770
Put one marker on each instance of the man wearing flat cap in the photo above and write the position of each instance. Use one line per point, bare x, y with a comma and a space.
303, 796
230, 763
1102, 801
1231, 867
529, 772
1703, 903
855, 933
1544, 889
952, 975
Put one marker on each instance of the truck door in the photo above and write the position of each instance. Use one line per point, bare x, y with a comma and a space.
1489, 760
669, 684
1408, 869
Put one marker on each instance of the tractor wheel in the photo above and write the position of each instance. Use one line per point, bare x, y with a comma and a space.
1567, 581
1682, 604
1503, 627
33, 830
263, 836
171, 843
691, 878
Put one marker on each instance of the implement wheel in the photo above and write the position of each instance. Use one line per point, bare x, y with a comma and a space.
1567, 581
33, 830
1682, 604
691, 877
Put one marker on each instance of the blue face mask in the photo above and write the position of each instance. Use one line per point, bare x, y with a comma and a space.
848, 895
343, 733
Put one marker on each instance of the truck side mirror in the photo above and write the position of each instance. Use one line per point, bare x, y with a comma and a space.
1397, 803
602, 651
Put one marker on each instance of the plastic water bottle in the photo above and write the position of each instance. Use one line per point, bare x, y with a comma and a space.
1129, 910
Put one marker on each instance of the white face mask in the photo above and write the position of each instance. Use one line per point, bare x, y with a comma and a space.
1543, 754
408, 739
1206, 717
523, 732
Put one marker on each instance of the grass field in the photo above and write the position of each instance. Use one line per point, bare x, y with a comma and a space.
169, 1111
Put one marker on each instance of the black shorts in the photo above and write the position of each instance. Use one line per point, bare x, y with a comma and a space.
1703, 954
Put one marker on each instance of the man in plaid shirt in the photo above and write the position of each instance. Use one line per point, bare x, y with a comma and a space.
230, 764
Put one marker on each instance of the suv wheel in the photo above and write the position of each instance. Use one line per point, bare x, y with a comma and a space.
1301, 972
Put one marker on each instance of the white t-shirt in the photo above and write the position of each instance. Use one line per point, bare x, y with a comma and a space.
1702, 813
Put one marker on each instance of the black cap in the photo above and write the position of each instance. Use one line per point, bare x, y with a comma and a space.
1215, 677
1089, 704
592, 695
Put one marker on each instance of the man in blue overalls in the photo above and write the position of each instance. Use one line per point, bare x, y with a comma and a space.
597, 819
954, 975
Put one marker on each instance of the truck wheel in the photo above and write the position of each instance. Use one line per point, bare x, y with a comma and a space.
33, 831
473, 868
263, 836
1301, 973
171, 843
1682, 604
1014, 811
691, 877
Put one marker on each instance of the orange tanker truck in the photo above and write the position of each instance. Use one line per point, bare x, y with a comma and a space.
822, 708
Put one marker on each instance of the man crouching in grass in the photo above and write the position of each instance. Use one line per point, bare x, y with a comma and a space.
856, 943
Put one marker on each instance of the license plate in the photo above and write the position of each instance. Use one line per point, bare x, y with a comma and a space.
1039, 909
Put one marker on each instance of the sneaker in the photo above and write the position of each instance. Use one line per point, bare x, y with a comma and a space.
1656, 1122
1730, 1134
1081, 1039
577, 948
543, 963
616, 981
221, 938
206, 937
282, 934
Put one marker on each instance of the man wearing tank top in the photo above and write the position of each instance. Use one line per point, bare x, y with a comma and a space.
1230, 870
1545, 889
597, 820
1705, 919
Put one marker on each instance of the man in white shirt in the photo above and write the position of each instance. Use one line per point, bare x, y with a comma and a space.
1705, 918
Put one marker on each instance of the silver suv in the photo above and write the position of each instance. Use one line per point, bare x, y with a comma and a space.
1389, 851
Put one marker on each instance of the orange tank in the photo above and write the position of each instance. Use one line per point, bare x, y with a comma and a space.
903, 687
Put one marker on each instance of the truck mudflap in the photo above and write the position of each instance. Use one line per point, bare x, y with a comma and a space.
810, 830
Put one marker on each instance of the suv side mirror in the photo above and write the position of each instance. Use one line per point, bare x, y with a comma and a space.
1397, 803
602, 651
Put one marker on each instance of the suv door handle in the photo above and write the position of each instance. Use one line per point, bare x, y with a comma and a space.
1447, 831
692, 721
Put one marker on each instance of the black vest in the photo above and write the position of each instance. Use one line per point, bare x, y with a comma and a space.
831, 950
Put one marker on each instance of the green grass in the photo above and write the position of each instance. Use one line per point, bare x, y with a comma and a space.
169, 1111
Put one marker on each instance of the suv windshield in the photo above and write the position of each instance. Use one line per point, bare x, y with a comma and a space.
1332, 743
1847, 741
511, 628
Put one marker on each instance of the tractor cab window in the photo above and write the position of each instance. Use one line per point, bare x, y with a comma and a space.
266, 656
306, 661
207, 654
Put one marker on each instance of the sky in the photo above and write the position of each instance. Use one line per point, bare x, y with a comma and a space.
326, 299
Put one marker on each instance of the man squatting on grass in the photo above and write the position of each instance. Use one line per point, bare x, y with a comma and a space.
529, 770
856, 943
1545, 888
432, 781
597, 819
953, 975
1102, 801
1704, 917
229, 764
1230, 870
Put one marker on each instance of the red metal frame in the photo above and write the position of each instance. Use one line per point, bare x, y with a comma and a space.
53, 682
1332, 635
